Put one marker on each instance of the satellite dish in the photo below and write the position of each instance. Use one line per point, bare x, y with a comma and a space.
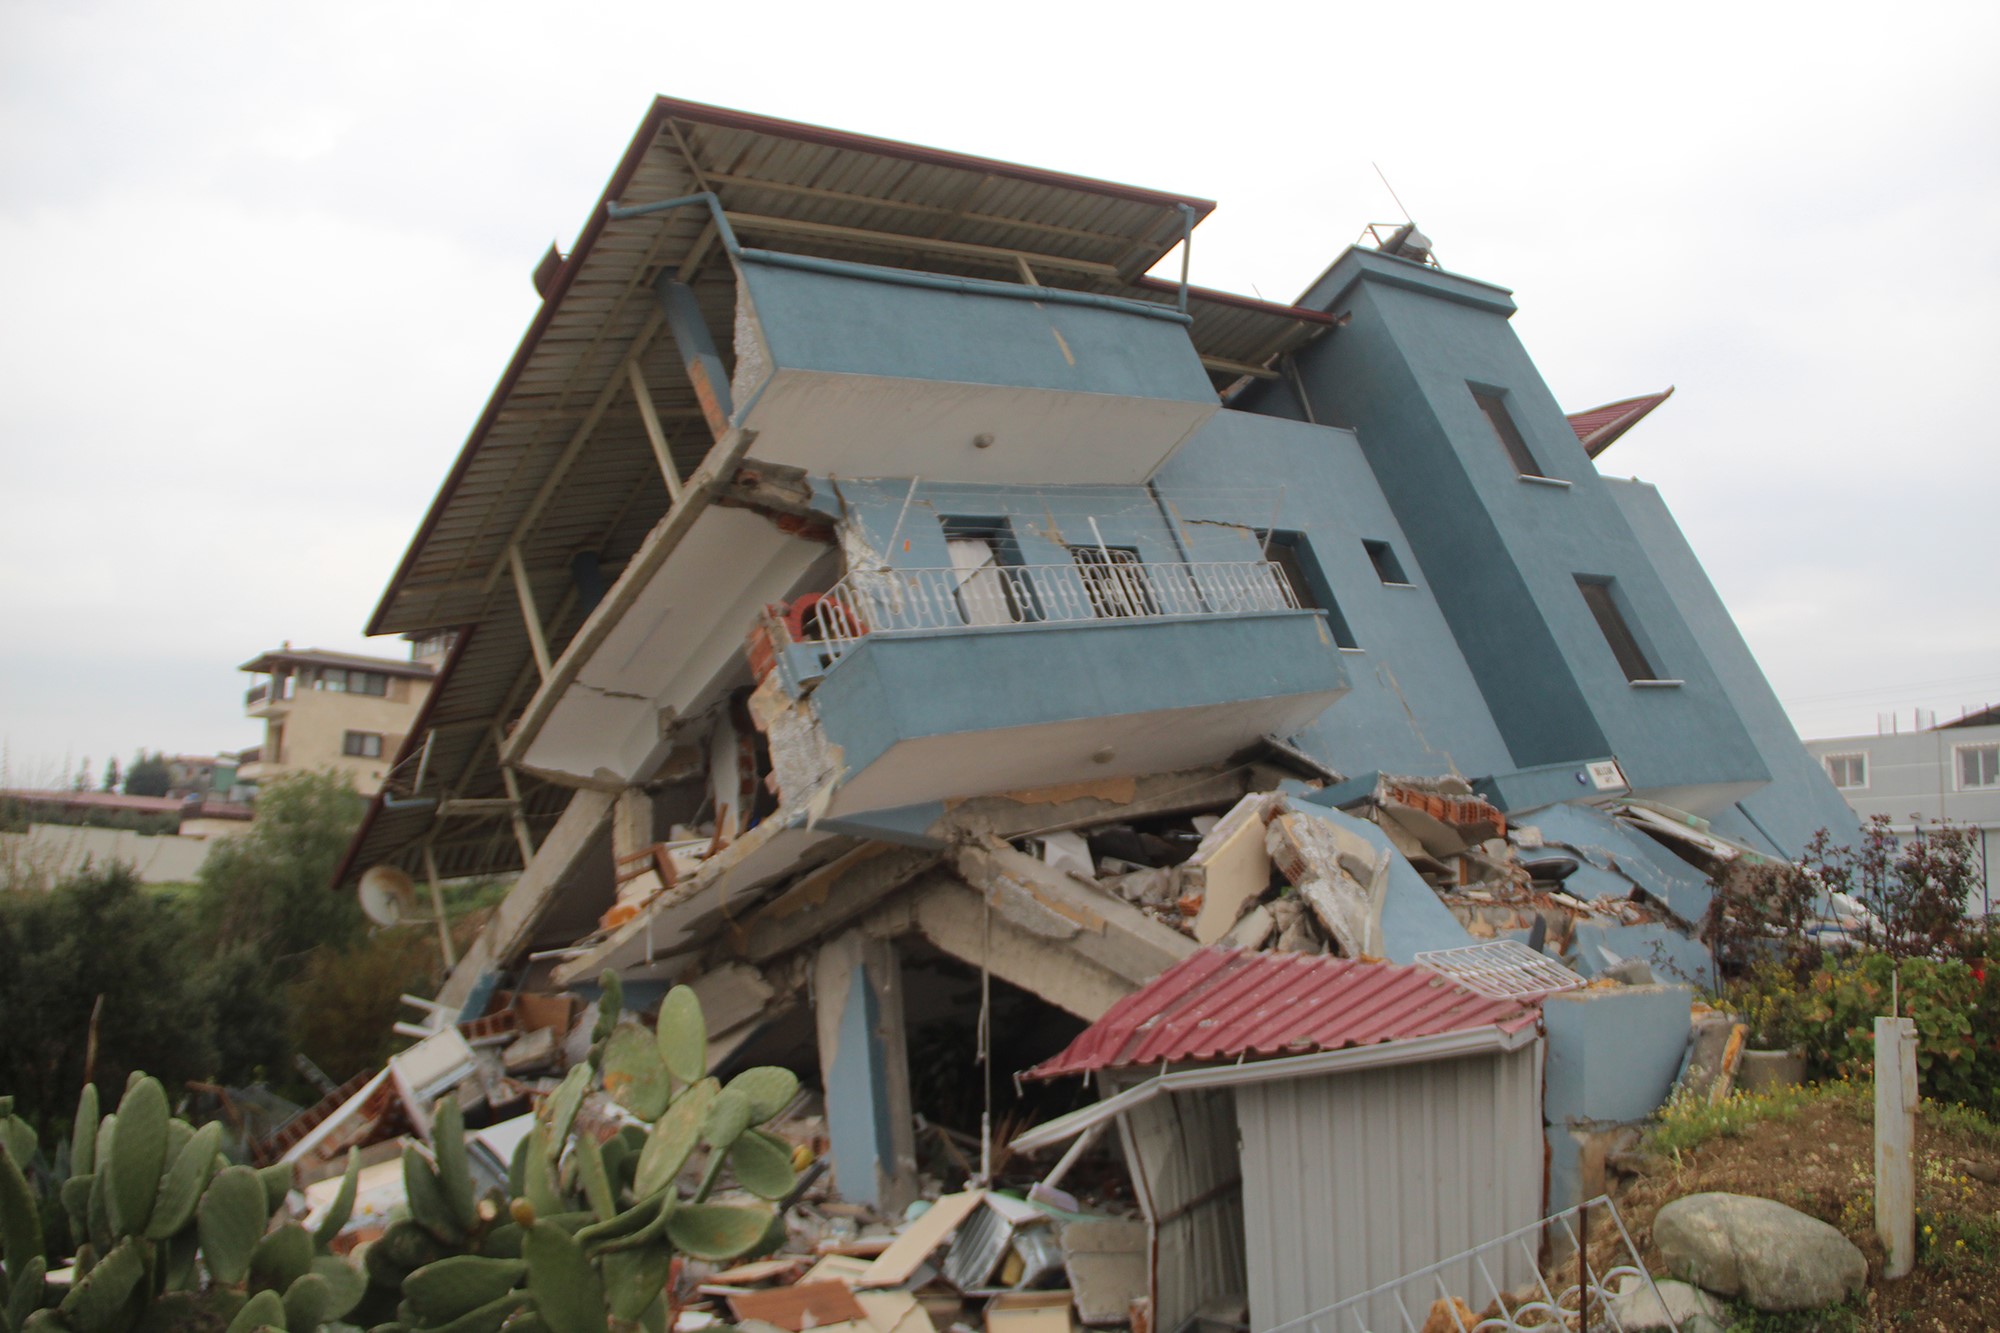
388, 896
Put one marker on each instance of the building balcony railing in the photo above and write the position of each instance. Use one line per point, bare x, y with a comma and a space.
1097, 587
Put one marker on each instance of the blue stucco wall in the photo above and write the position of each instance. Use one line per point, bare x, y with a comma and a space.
1414, 707
852, 325
1044, 520
1501, 553
896, 687
1613, 1052
1801, 799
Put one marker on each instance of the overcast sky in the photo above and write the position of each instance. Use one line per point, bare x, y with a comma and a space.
266, 261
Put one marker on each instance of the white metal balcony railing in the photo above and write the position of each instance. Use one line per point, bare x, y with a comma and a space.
895, 600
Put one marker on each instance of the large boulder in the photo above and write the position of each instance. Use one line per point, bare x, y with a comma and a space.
1774, 1257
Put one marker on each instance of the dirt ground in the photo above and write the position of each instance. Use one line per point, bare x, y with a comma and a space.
1820, 1160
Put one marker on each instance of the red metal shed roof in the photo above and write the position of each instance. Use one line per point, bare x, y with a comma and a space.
1599, 426
1220, 1003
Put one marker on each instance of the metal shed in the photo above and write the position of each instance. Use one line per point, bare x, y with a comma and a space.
1302, 1128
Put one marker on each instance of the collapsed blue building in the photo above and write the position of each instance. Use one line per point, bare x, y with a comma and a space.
873, 590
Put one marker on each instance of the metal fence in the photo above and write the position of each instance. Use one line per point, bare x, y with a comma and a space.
1094, 588
1572, 1295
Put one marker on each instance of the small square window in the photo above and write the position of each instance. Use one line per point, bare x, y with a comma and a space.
1978, 766
1494, 405
362, 744
1848, 771
1387, 567
1617, 632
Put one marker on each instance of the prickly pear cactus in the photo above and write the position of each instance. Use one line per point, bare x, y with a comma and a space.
585, 1240
167, 1235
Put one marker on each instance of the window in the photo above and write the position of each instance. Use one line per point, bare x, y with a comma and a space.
1493, 403
1293, 555
362, 744
1115, 581
1978, 766
1617, 632
1387, 567
982, 550
1848, 771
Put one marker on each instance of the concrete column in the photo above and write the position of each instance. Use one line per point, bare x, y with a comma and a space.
858, 1009
1896, 1099
631, 823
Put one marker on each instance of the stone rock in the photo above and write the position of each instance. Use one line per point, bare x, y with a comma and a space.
1637, 1310
1774, 1257
1986, 1171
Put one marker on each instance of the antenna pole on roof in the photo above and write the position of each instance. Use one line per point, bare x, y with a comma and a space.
1392, 194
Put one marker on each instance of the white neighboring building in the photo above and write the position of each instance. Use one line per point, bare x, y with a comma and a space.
1950, 771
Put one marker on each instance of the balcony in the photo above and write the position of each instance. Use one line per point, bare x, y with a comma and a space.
856, 370
934, 683
267, 698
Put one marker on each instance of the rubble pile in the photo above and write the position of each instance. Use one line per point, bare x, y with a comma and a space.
969, 1259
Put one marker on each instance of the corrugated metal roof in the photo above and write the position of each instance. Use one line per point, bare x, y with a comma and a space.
1220, 1003
559, 462
1599, 426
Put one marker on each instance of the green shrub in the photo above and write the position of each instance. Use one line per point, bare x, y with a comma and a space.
1830, 1015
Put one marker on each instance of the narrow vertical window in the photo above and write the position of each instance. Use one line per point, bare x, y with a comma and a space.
1624, 643
1502, 422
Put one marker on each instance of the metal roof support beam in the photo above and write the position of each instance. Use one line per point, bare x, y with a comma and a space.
698, 354
437, 909
655, 436
715, 473
517, 812
529, 616
882, 240
581, 436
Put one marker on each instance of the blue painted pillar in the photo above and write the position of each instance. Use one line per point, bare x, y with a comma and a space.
858, 1003
698, 354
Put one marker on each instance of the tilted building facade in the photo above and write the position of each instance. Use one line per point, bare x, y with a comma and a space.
854, 513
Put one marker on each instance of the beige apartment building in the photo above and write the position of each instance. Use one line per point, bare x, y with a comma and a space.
339, 711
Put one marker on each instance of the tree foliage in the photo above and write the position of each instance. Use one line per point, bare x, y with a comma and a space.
271, 888
96, 935
148, 775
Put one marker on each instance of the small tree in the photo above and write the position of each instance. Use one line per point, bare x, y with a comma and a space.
111, 775
271, 888
148, 775
96, 944
1915, 888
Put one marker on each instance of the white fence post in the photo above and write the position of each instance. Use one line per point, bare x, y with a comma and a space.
1895, 1136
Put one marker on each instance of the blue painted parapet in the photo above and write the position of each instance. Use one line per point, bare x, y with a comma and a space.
857, 370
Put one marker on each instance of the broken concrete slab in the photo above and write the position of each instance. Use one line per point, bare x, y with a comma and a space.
1412, 919
1230, 868
1105, 1260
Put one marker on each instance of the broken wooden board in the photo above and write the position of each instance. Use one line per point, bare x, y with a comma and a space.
807, 1305
895, 1265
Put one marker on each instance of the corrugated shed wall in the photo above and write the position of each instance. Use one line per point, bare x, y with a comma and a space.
1182, 1149
1352, 1180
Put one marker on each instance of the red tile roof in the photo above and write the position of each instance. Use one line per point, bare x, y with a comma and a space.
1220, 1003
1599, 426
98, 800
